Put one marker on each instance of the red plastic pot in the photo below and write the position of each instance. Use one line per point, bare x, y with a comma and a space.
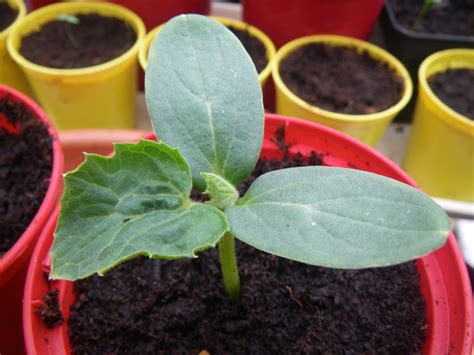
443, 275
14, 263
152, 12
285, 20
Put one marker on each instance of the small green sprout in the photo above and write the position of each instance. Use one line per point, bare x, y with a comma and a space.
424, 10
73, 20
205, 103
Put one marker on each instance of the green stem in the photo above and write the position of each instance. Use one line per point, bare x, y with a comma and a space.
426, 6
228, 260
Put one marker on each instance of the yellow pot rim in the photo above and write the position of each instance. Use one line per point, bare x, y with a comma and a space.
334, 40
20, 6
451, 116
254, 31
47, 13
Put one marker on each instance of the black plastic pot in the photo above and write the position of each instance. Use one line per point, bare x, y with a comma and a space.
411, 48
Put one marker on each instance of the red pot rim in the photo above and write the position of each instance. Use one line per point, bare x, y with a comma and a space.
33, 230
443, 274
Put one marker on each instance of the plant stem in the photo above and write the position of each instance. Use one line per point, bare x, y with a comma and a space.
230, 272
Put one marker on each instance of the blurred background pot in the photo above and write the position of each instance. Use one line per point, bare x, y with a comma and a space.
441, 147
286, 20
10, 73
368, 128
152, 12
411, 47
253, 31
100, 96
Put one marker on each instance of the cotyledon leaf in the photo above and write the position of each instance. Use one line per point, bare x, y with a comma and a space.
133, 203
204, 97
341, 218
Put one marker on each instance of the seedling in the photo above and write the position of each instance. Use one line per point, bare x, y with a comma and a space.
204, 98
424, 10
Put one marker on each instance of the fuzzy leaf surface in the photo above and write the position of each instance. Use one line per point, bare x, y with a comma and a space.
134, 203
340, 218
204, 97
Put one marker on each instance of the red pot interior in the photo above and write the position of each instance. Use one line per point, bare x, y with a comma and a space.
14, 263
444, 281
285, 20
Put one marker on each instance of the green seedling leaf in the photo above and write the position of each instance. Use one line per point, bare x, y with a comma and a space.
204, 97
134, 203
74, 20
222, 193
341, 218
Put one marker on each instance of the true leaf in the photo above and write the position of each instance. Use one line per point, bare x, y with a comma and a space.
134, 203
222, 194
204, 97
341, 218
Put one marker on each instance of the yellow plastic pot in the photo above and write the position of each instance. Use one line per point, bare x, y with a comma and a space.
255, 32
440, 153
100, 96
366, 128
10, 73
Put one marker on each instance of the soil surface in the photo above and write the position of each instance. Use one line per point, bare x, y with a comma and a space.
455, 17
455, 87
340, 79
151, 306
64, 44
26, 159
7, 15
49, 311
253, 46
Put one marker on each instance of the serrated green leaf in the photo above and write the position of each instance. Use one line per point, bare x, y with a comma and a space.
204, 97
341, 218
134, 203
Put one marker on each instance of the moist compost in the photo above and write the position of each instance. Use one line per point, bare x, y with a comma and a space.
455, 87
340, 79
78, 41
151, 306
254, 47
26, 159
454, 17
49, 311
7, 15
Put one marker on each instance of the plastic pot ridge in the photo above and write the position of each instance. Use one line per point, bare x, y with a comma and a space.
443, 170
443, 276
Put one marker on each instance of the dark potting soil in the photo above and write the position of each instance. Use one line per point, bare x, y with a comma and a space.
7, 15
340, 79
26, 160
49, 311
93, 40
455, 87
151, 306
253, 46
455, 17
